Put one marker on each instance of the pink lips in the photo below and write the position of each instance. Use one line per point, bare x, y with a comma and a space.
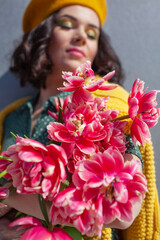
76, 52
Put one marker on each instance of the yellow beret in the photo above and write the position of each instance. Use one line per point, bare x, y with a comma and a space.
38, 10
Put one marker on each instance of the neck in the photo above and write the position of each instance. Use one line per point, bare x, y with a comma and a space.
53, 81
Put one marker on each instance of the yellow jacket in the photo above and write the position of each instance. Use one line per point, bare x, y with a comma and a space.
147, 225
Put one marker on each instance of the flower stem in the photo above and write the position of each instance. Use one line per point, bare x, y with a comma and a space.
120, 118
43, 208
50, 227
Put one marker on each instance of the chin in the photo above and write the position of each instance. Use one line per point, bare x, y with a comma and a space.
72, 64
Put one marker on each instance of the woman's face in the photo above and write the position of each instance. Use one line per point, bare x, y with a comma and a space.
75, 37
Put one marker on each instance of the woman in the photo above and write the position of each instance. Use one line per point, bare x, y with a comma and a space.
59, 43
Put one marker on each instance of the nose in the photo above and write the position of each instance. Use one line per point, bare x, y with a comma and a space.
79, 36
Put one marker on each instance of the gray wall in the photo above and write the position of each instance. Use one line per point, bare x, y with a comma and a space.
134, 30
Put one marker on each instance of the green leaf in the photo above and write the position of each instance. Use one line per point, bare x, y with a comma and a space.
44, 223
25, 136
60, 115
3, 173
55, 142
13, 135
5, 158
73, 232
66, 182
64, 185
20, 214
42, 204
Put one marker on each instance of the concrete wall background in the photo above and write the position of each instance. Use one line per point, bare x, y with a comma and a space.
133, 27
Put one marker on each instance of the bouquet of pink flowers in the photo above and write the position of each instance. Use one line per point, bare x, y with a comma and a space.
82, 171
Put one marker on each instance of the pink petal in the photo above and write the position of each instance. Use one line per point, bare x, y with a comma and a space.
108, 86
109, 75
60, 234
121, 193
29, 221
92, 191
107, 162
59, 132
30, 155
85, 146
46, 185
35, 169
30, 142
4, 192
137, 186
119, 160
75, 80
94, 86
92, 168
139, 177
68, 147
36, 180
124, 176
66, 74
57, 152
140, 130
133, 108
150, 96
81, 96
53, 115
66, 89
39, 233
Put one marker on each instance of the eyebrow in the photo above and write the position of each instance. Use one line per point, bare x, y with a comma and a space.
75, 19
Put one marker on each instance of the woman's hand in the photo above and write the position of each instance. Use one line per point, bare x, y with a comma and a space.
26, 203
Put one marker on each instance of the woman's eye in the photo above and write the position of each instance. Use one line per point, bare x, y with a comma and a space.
91, 34
65, 24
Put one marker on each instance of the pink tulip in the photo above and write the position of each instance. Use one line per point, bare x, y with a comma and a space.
143, 112
26, 222
81, 128
87, 129
42, 233
114, 137
69, 209
119, 184
83, 76
36, 168
38, 231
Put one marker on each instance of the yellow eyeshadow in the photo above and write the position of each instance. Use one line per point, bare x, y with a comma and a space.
92, 33
65, 23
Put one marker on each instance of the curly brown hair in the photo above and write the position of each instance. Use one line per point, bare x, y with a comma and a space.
31, 61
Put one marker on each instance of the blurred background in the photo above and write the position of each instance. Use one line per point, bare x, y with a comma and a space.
134, 30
